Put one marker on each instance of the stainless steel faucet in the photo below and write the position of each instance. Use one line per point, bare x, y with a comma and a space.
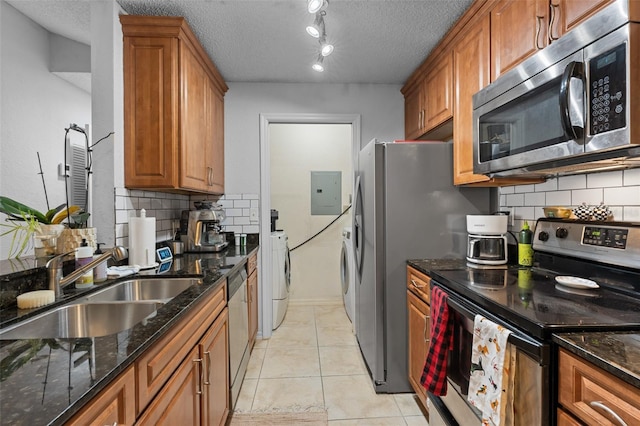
54, 268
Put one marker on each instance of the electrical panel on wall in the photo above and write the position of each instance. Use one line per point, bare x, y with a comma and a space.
326, 193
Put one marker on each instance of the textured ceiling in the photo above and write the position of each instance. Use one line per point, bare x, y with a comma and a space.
376, 41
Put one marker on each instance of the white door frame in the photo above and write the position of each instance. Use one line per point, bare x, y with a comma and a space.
266, 287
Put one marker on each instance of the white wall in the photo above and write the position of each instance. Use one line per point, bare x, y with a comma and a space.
36, 107
296, 151
381, 107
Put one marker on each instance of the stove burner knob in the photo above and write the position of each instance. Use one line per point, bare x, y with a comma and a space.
543, 236
562, 232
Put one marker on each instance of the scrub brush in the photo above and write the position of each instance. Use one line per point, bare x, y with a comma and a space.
35, 299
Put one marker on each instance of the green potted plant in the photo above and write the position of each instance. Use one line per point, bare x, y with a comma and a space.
24, 222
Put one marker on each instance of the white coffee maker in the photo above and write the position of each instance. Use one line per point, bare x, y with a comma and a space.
487, 240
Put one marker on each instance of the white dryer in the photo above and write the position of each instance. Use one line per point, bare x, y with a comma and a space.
347, 273
280, 276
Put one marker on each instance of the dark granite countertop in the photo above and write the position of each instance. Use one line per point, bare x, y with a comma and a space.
427, 265
46, 381
615, 352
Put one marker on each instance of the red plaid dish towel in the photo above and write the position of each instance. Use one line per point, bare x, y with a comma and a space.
434, 374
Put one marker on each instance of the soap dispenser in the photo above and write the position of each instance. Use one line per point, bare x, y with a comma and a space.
100, 271
84, 256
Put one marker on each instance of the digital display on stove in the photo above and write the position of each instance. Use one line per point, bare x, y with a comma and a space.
605, 237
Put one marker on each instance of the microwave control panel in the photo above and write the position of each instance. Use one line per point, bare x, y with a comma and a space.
607, 90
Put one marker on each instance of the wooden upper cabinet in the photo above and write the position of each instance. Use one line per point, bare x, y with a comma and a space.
566, 14
438, 88
413, 114
173, 107
518, 30
471, 73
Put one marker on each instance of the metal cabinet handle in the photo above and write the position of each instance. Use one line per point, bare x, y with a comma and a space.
601, 405
554, 13
424, 332
415, 284
539, 22
198, 362
207, 380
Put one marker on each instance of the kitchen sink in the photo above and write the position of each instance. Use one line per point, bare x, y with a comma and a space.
82, 320
156, 289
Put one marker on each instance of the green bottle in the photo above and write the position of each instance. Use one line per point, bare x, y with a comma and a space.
525, 250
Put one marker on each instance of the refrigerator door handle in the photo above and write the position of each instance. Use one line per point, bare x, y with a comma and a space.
358, 243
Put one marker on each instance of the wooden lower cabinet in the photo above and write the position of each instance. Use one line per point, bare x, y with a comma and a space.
419, 335
594, 396
114, 406
419, 321
566, 419
198, 391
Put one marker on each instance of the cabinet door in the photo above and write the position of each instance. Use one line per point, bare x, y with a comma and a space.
114, 405
252, 290
215, 143
566, 14
150, 113
438, 88
471, 73
517, 32
413, 114
419, 335
179, 401
214, 350
193, 131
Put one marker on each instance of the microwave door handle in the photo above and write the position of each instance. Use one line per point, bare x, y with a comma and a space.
538, 351
572, 70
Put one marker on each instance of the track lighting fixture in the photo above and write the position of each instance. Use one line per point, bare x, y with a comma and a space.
317, 28
325, 48
314, 6
317, 66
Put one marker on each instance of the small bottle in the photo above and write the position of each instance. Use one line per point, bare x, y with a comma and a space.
525, 250
100, 271
243, 240
84, 255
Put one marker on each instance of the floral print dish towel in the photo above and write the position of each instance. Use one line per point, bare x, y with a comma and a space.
492, 372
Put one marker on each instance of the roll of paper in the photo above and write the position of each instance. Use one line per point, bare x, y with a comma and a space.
142, 241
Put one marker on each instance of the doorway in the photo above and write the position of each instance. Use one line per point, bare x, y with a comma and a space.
266, 120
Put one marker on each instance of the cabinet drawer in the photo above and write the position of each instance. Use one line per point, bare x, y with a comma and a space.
419, 283
158, 363
595, 396
252, 263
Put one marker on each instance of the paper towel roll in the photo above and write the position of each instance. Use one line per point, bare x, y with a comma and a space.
142, 241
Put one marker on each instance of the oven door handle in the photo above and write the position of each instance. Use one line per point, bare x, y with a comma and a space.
538, 351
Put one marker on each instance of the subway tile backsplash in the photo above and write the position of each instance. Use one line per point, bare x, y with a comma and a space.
620, 190
167, 209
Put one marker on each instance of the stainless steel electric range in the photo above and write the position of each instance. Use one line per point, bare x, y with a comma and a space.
586, 277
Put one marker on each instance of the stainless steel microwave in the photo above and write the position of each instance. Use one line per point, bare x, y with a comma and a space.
572, 107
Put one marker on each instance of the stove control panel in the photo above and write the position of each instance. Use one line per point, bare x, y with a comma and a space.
614, 243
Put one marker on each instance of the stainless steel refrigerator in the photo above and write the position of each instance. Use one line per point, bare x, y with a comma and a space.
406, 207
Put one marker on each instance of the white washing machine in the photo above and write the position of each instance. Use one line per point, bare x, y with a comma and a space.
280, 276
347, 273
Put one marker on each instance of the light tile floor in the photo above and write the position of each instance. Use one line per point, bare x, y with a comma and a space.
312, 362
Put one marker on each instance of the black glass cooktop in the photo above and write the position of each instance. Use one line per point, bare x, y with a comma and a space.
532, 300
